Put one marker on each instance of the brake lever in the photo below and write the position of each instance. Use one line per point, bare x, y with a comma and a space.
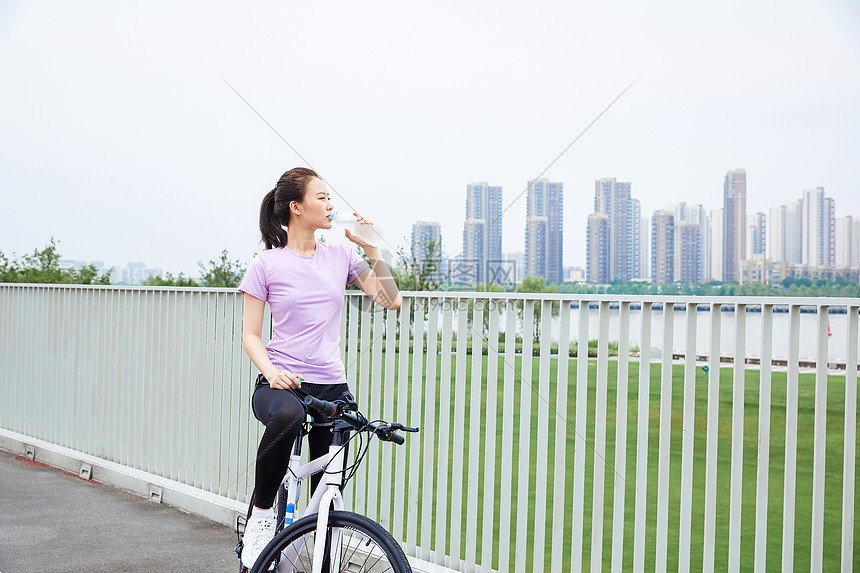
400, 427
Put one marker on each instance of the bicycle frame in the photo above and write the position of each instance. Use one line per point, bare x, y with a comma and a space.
326, 497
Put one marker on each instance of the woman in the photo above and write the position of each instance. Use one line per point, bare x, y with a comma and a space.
304, 282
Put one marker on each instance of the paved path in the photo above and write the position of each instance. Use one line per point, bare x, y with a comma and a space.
53, 521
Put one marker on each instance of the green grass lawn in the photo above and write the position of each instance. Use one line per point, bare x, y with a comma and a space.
525, 510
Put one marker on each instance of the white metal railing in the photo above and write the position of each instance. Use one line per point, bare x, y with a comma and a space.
527, 459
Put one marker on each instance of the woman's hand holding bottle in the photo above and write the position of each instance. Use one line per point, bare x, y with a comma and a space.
358, 229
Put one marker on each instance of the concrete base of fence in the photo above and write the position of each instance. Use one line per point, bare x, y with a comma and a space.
147, 485
156, 488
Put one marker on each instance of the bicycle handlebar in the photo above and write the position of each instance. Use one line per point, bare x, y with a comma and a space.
347, 410
324, 407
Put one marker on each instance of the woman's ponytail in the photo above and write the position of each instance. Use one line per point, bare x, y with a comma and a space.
274, 234
275, 210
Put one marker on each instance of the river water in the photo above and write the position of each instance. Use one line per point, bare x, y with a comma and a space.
836, 350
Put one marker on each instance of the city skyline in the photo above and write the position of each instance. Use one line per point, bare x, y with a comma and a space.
160, 160
691, 233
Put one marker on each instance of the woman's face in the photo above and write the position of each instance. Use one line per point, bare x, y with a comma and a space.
317, 207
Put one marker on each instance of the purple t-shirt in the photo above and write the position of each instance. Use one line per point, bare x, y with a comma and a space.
305, 295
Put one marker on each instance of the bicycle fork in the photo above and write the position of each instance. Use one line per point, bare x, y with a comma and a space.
330, 499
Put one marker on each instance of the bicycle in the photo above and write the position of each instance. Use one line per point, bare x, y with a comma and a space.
350, 542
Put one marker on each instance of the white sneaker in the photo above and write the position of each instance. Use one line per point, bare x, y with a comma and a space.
258, 533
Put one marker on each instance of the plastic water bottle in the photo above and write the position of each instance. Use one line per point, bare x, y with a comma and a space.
370, 233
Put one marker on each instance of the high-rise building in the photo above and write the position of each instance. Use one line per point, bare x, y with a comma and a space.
855, 243
644, 248
776, 237
818, 228
844, 229
793, 232
423, 233
688, 250
677, 238
705, 230
756, 236
716, 270
847, 248
597, 249
612, 198
482, 233
636, 232
545, 229
829, 231
689, 259
734, 223
133, 274
663, 246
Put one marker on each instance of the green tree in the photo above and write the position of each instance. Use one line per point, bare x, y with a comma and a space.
492, 306
418, 268
222, 272
537, 285
43, 266
169, 280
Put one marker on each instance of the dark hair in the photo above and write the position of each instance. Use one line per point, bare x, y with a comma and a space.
275, 210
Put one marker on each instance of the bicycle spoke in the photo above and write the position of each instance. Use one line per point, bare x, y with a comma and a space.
351, 554
367, 556
309, 554
351, 543
375, 562
294, 561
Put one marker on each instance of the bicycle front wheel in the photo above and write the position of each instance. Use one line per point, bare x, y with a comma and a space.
353, 543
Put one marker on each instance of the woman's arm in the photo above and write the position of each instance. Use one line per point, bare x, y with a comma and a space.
252, 342
379, 285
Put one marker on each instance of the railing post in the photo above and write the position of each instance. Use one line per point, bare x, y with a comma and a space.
620, 478
508, 514
736, 493
642, 419
763, 438
662, 554
713, 433
820, 440
850, 443
490, 526
599, 461
476, 385
457, 459
542, 428
429, 428
398, 518
415, 408
791, 406
688, 437
559, 507
580, 447
443, 469
525, 431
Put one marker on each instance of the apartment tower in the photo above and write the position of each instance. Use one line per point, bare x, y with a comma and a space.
482, 233
545, 230
734, 223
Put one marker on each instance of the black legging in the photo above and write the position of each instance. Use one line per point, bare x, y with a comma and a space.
282, 413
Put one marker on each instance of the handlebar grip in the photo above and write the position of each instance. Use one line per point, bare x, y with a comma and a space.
397, 439
323, 406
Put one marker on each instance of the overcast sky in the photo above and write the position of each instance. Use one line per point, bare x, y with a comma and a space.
120, 138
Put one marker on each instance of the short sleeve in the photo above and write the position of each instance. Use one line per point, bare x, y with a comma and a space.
357, 265
256, 282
